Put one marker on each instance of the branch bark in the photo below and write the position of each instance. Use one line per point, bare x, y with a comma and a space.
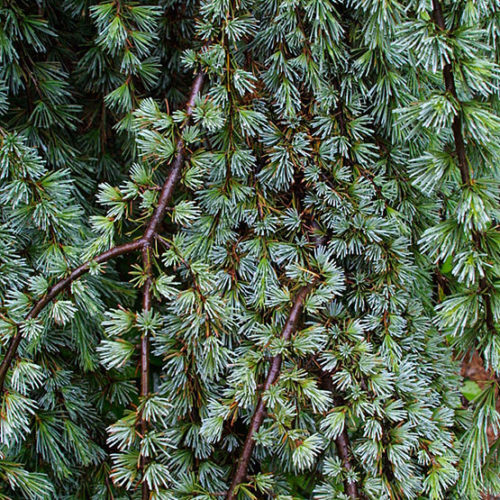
52, 294
176, 169
342, 442
126, 248
272, 377
449, 82
146, 306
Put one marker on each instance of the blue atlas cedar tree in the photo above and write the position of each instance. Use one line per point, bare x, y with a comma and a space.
245, 246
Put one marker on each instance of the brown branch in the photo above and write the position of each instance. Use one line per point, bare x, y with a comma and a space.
449, 83
176, 168
272, 377
146, 306
126, 248
342, 442
54, 291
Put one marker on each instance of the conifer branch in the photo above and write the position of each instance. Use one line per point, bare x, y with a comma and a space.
54, 291
342, 441
126, 248
449, 81
307, 156
272, 377
175, 170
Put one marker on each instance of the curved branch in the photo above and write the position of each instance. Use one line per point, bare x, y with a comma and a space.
449, 83
342, 442
176, 168
272, 377
149, 233
54, 291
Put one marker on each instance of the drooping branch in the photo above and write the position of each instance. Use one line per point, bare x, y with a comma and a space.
129, 247
342, 442
175, 170
54, 291
272, 377
146, 306
449, 82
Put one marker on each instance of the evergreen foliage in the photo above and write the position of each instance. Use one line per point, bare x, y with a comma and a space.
245, 246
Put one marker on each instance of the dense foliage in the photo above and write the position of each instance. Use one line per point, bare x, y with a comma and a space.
245, 246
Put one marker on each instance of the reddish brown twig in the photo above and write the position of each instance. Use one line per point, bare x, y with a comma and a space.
149, 233
54, 291
272, 377
342, 442
449, 82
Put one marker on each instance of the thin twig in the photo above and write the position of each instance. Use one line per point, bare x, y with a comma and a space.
449, 82
272, 377
176, 168
342, 442
54, 291
146, 306
126, 248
